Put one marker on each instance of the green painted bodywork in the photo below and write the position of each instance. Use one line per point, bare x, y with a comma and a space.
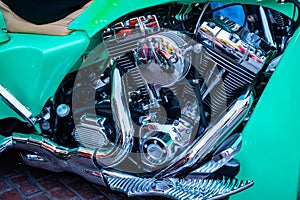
270, 153
32, 67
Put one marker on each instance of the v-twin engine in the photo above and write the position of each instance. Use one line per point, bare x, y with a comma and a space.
153, 103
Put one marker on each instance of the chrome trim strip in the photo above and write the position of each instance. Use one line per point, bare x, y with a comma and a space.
230, 152
5, 143
16, 105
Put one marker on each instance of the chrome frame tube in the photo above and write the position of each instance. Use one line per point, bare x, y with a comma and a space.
266, 27
200, 17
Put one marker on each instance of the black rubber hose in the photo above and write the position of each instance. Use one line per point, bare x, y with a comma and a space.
200, 102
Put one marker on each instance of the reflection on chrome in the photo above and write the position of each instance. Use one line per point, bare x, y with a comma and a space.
178, 188
221, 156
213, 136
123, 125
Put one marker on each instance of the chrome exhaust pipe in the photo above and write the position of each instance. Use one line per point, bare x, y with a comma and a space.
123, 125
215, 133
43, 153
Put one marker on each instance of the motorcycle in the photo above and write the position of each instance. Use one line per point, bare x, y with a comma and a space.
154, 98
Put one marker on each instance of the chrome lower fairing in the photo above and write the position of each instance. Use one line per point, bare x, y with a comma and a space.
41, 152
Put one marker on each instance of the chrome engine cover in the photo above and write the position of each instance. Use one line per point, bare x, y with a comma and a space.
91, 133
158, 142
162, 58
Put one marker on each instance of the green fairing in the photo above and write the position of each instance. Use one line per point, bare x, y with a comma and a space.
270, 154
33, 66
103, 12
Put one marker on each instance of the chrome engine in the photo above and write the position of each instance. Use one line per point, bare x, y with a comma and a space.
169, 89
154, 102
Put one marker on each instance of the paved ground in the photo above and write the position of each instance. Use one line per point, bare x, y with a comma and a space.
18, 181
